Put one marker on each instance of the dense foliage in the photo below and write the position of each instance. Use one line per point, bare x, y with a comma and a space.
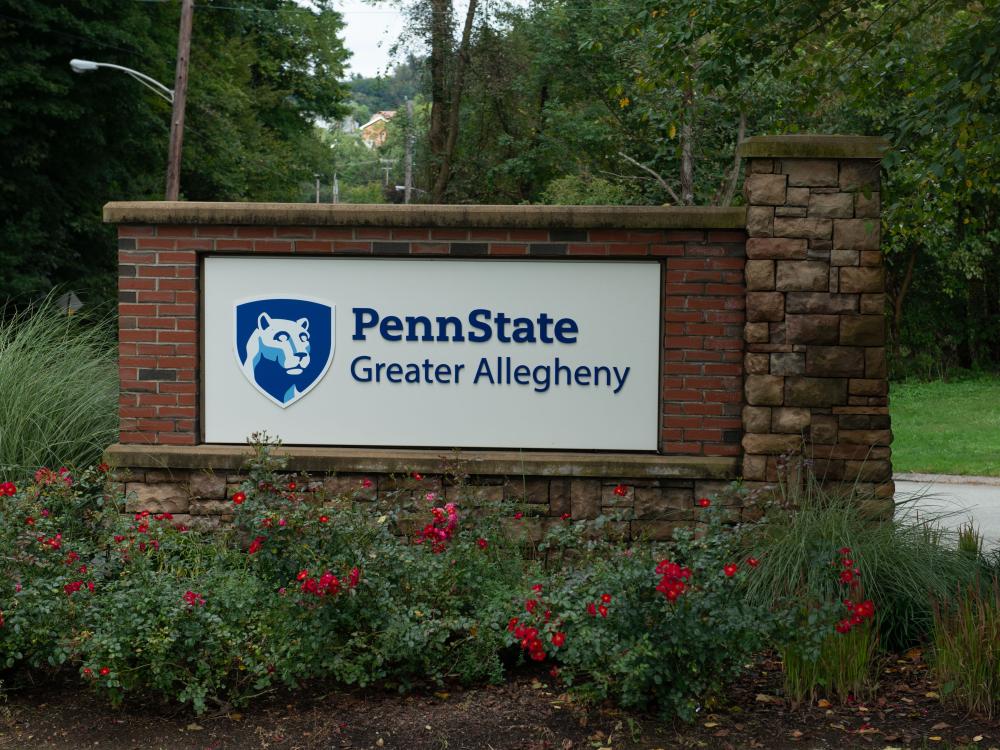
259, 76
412, 591
669, 89
402, 592
545, 101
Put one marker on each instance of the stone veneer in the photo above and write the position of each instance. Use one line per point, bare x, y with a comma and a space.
814, 363
195, 484
772, 320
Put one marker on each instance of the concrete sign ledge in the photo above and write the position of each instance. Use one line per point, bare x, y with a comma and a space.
398, 461
814, 147
382, 216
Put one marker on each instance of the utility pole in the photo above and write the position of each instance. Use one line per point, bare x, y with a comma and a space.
180, 101
336, 189
386, 166
317, 188
408, 181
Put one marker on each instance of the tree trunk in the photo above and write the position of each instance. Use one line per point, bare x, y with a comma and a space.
454, 105
687, 146
897, 306
440, 44
729, 189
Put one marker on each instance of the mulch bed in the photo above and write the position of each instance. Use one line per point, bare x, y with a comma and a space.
530, 711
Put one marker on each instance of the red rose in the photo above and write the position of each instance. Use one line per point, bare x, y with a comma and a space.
753, 562
606, 598
519, 515
565, 516
704, 502
558, 639
603, 610
621, 490
239, 497
324, 519
730, 570
482, 543
105, 671
591, 610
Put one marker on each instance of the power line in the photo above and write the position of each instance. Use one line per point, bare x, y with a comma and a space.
252, 9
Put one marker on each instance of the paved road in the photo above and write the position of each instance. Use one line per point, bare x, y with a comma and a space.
975, 498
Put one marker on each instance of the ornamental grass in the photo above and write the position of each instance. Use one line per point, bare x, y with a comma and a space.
58, 390
966, 648
905, 561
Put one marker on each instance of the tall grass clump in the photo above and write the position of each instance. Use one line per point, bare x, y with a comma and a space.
840, 666
966, 655
905, 562
58, 390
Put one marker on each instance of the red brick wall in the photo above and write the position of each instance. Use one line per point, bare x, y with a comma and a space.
703, 315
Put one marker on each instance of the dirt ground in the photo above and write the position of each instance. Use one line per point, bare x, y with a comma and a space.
530, 711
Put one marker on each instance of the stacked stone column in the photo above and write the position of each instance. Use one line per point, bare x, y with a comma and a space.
814, 364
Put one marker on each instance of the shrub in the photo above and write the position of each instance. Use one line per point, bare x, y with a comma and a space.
586, 190
58, 391
412, 590
648, 630
429, 606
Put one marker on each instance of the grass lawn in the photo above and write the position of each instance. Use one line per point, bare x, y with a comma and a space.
947, 428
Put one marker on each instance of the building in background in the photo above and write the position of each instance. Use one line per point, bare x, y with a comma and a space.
374, 132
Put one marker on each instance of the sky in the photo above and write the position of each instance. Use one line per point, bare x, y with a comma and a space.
371, 30
369, 33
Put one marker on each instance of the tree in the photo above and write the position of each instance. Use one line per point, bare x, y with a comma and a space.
259, 78
433, 23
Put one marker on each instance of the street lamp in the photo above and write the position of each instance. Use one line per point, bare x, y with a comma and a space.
88, 66
177, 102
176, 96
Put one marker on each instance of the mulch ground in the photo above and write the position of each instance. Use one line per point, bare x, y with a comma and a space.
530, 711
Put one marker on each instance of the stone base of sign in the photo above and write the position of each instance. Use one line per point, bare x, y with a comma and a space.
196, 483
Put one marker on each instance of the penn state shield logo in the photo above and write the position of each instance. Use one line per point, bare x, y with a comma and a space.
284, 345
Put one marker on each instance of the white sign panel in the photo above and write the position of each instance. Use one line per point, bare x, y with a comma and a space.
441, 353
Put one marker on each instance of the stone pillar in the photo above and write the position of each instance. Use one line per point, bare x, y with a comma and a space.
814, 363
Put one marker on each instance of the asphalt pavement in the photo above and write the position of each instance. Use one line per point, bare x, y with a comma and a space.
964, 498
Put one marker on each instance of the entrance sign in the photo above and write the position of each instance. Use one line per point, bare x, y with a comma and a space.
441, 353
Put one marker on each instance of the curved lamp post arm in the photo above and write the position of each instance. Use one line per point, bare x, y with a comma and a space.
86, 66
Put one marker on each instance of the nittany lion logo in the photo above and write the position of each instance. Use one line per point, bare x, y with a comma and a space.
284, 346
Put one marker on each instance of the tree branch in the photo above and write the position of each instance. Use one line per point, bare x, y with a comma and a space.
659, 178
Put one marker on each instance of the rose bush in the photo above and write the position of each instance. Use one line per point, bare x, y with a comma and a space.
405, 590
650, 630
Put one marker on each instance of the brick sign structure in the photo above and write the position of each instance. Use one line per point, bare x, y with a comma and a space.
772, 336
